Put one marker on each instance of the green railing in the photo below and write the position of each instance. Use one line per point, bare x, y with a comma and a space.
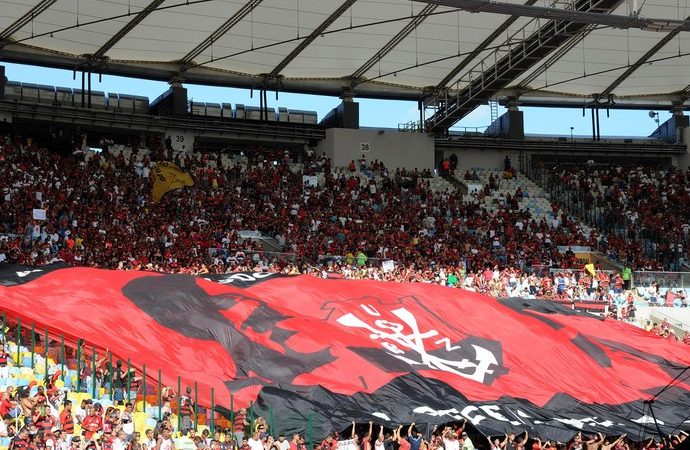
87, 361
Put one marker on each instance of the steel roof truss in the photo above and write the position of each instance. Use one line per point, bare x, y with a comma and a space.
129, 26
26, 18
221, 30
311, 38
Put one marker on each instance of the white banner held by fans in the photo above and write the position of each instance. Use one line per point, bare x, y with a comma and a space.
474, 187
388, 265
310, 180
346, 445
39, 214
39, 196
249, 234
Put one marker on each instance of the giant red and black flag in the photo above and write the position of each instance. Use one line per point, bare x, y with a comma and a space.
335, 351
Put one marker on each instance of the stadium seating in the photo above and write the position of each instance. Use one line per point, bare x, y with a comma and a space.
418, 221
643, 210
32, 375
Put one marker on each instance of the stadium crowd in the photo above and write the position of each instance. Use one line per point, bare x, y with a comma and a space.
99, 213
45, 420
645, 210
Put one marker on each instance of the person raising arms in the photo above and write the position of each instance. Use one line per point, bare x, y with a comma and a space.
366, 440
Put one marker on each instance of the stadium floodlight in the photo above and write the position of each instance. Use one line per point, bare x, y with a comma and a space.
655, 116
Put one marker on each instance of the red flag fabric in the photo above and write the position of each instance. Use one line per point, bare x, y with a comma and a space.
252, 334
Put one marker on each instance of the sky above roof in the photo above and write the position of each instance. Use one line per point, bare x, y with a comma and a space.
373, 113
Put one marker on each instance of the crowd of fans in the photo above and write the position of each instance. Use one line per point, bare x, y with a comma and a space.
645, 210
46, 421
99, 213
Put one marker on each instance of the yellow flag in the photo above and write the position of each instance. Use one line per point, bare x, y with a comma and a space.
590, 268
168, 177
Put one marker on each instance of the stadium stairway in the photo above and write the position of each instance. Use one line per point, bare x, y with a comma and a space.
535, 199
456, 184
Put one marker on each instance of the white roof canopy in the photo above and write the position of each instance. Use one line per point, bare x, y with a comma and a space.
372, 48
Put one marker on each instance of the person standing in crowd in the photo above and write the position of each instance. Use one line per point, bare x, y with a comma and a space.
134, 442
67, 420
282, 443
165, 441
150, 441
414, 437
186, 409
466, 442
626, 276
127, 420
403, 444
92, 423
255, 442
21, 441
379, 442
4, 362
240, 424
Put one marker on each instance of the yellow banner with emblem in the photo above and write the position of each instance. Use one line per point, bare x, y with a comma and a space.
169, 177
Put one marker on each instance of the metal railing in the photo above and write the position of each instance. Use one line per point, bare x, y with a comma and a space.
671, 280
45, 352
266, 257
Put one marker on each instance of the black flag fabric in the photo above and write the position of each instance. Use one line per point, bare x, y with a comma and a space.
321, 353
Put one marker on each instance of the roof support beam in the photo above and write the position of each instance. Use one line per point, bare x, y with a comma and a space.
397, 39
26, 18
451, 107
566, 15
141, 15
311, 38
553, 59
480, 48
637, 64
221, 30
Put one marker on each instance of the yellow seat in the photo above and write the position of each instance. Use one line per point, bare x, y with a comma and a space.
140, 422
74, 398
81, 396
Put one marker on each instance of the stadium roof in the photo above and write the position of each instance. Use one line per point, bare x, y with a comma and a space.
554, 50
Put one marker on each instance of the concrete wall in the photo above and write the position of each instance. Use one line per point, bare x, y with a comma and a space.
683, 161
679, 318
395, 149
486, 159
